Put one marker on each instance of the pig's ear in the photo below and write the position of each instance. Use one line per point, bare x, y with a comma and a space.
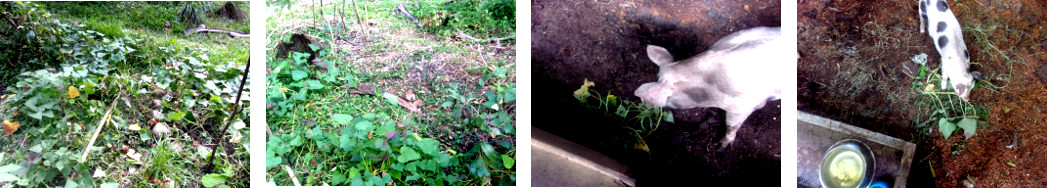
659, 55
977, 75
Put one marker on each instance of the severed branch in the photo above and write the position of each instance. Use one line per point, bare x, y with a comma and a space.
476, 40
202, 28
236, 110
101, 123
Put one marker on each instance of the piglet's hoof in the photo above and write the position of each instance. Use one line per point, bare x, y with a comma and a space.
723, 145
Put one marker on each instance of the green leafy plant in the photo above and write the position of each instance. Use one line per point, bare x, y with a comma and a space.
948, 111
481, 19
68, 77
381, 154
301, 78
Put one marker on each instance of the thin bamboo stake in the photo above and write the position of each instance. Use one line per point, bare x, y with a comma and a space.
360, 21
236, 110
101, 123
294, 179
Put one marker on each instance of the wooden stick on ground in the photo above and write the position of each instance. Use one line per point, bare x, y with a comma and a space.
294, 179
360, 21
476, 40
101, 123
202, 28
236, 110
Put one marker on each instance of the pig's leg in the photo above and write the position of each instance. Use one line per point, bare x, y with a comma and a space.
945, 77
923, 16
735, 118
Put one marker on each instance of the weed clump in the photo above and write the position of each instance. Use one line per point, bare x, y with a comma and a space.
481, 19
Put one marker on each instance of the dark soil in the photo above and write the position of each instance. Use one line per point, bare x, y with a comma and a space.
230, 11
604, 42
299, 43
855, 67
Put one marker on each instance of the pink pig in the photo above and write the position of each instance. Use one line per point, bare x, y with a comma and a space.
739, 74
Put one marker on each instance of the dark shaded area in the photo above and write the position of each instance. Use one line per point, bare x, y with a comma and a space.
605, 42
855, 68
229, 11
299, 43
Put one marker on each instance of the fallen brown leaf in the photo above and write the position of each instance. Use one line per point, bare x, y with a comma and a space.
364, 89
410, 96
408, 105
10, 127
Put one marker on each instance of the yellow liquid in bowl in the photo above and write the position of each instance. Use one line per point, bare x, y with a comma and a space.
847, 168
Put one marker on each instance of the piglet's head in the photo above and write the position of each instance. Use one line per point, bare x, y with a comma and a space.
965, 83
656, 93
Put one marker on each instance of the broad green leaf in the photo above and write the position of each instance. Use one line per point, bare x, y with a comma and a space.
211, 180
314, 84
365, 126
413, 177
488, 150
297, 141
71, 184
272, 160
9, 168
337, 178
343, 119
429, 146
946, 127
969, 126
109, 185
622, 111
346, 141
176, 116
407, 154
5, 172
353, 173
429, 165
508, 161
298, 75
443, 159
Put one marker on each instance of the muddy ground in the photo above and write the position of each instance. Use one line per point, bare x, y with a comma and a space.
855, 67
604, 41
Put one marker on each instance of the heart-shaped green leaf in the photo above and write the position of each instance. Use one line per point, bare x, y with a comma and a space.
969, 126
343, 119
946, 127
407, 155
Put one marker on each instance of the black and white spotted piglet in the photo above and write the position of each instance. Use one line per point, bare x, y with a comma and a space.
940, 23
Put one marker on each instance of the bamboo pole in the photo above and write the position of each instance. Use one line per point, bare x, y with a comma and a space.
236, 110
101, 123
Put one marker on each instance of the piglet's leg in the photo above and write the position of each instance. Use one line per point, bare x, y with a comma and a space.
735, 118
945, 77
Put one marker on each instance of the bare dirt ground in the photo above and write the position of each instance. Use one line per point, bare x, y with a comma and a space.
855, 67
604, 41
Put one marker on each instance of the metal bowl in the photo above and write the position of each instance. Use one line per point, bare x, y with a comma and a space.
847, 164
